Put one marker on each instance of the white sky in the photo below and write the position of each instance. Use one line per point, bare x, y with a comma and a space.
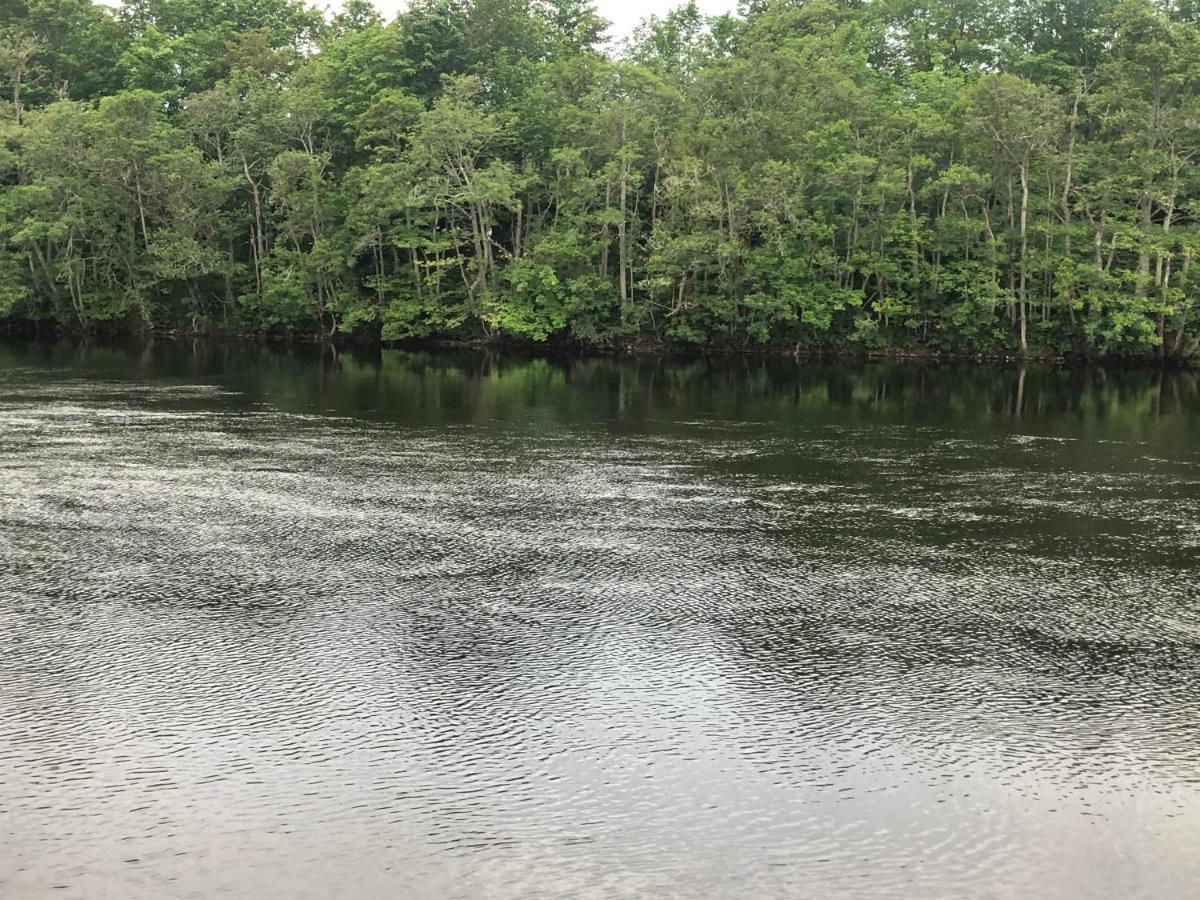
624, 14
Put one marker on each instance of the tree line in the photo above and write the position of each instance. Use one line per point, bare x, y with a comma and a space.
940, 174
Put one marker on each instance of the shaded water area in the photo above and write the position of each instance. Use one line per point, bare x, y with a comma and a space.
279, 624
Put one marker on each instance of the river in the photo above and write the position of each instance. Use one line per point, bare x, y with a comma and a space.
279, 623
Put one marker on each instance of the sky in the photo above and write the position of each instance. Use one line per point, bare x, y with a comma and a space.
624, 14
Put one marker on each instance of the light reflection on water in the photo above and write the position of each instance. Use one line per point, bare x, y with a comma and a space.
281, 625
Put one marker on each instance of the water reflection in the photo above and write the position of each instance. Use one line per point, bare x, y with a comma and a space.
482, 386
277, 622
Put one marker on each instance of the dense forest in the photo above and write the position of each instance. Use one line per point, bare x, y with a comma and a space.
947, 174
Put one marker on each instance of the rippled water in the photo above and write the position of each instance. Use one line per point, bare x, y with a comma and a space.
278, 624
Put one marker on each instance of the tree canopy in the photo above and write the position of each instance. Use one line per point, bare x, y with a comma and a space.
951, 175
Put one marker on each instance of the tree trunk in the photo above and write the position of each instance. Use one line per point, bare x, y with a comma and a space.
257, 242
1066, 197
1024, 251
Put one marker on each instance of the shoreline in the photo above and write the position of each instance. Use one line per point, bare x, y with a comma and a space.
24, 330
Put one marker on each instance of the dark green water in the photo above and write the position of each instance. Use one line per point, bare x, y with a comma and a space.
275, 624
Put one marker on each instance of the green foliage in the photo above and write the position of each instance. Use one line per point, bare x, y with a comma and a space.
959, 176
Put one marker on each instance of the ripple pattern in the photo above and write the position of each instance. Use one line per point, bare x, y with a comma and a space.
254, 651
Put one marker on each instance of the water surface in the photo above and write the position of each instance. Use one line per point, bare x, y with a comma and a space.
280, 624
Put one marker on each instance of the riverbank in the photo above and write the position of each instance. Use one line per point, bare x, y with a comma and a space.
24, 329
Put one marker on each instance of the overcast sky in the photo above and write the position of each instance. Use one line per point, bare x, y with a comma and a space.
624, 14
